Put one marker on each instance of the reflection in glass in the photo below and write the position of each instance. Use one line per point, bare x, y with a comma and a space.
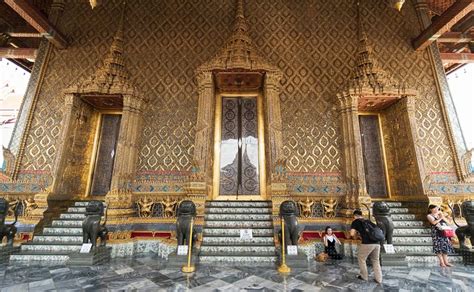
239, 147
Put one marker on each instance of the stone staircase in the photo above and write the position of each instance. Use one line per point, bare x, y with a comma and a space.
57, 241
221, 233
412, 236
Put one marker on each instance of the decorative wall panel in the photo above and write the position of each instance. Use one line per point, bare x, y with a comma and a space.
312, 42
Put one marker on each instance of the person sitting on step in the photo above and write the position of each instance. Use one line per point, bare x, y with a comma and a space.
330, 240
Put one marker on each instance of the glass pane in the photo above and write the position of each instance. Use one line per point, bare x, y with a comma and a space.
229, 162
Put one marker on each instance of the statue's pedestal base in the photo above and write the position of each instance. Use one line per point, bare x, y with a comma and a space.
178, 261
294, 261
467, 255
100, 255
393, 260
6, 251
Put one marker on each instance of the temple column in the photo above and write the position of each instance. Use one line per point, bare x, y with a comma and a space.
203, 146
352, 149
119, 198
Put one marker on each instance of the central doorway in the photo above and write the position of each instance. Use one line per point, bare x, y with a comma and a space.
373, 153
105, 148
239, 154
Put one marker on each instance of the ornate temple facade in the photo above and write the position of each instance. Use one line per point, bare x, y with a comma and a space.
152, 102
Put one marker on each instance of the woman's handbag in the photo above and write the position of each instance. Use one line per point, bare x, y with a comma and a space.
446, 231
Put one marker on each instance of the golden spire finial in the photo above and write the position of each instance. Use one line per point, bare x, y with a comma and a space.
113, 69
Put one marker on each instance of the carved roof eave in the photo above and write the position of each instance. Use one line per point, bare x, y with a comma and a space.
255, 63
365, 88
92, 87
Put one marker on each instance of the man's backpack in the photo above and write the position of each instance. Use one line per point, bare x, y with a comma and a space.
374, 232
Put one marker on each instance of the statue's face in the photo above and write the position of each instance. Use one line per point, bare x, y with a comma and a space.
381, 208
95, 208
187, 208
468, 211
288, 208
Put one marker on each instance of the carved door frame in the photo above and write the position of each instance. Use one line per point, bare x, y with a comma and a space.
204, 147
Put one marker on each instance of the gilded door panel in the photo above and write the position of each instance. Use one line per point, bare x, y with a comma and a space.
239, 147
104, 163
373, 156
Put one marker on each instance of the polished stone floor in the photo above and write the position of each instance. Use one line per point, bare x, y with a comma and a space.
148, 273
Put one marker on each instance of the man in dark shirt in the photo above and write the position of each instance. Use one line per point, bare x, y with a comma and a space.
368, 248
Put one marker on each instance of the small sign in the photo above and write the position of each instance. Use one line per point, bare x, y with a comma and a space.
246, 234
86, 248
292, 250
182, 249
388, 248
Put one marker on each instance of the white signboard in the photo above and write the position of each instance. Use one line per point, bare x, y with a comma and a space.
388, 248
292, 250
182, 249
86, 248
246, 234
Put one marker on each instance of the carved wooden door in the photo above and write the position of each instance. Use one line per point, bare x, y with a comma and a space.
239, 174
374, 161
104, 161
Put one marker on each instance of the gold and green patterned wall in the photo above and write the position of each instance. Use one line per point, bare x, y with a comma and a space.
313, 43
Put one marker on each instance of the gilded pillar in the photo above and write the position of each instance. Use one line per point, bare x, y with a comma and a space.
409, 108
119, 199
273, 117
352, 149
204, 126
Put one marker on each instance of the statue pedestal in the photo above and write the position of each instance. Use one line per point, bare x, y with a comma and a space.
467, 255
393, 260
99, 255
178, 261
6, 251
294, 261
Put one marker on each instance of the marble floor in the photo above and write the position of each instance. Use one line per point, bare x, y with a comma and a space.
149, 273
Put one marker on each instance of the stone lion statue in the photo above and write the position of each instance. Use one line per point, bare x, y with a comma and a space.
381, 212
186, 211
8, 230
289, 212
91, 227
467, 211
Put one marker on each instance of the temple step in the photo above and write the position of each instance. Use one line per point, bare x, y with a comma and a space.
256, 241
247, 210
403, 217
239, 224
237, 250
237, 217
224, 221
67, 223
411, 223
399, 210
411, 231
51, 247
57, 241
63, 230
224, 232
55, 238
413, 239
72, 216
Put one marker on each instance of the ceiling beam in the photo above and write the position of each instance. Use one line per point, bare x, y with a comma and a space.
36, 19
443, 23
465, 24
461, 58
453, 37
18, 53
